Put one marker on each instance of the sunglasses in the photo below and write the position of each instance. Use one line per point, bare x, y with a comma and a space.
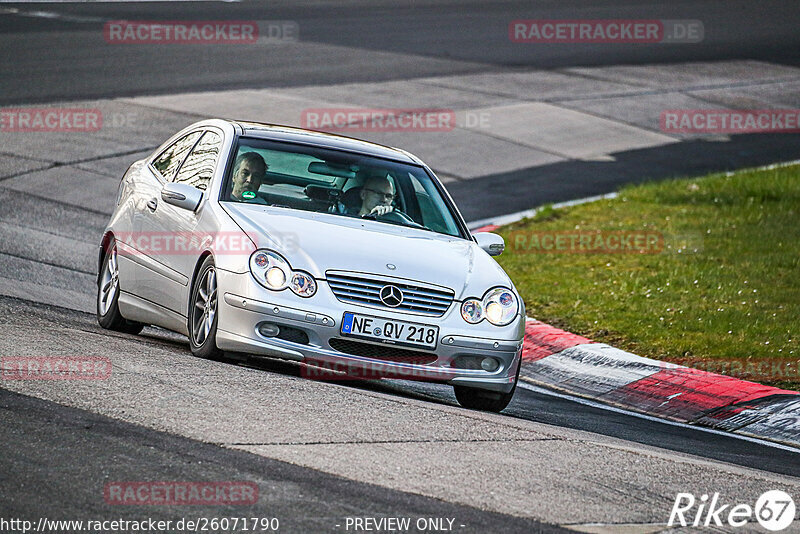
387, 196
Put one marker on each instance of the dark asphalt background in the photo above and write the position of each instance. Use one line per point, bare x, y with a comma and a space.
57, 461
60, 54
66, 58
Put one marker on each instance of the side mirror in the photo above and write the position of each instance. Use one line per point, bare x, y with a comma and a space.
493, 244
183, 196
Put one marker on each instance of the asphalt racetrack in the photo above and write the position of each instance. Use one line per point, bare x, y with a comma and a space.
323, 453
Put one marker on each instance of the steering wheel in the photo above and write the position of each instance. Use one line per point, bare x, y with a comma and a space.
396, 216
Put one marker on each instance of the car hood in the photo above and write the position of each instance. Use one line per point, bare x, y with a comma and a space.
318, 242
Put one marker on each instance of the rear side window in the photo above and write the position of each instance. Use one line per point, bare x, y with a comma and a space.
168, 162
199, 167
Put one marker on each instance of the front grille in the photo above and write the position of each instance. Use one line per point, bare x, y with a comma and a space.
361, 289
381, 352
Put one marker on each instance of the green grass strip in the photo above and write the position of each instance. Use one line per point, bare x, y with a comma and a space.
702, 272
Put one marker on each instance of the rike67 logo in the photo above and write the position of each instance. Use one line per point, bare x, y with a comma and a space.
774, 510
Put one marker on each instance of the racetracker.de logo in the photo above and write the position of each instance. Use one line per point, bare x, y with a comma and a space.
719, 121
194, 243
180, 32
342, 371
183, 243
587, 242
55, 368
378, 120
605, 31
171, 493
50, 120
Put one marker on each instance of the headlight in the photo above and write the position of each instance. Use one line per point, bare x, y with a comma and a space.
275, 273
270, 269
276, 278
303, 284
499, 306
472, 311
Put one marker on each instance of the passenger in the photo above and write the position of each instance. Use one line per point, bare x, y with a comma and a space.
249, 172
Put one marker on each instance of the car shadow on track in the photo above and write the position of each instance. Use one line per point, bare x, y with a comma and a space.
424, 391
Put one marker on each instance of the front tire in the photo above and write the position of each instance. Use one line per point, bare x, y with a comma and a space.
483, 400
108, 315
203, 313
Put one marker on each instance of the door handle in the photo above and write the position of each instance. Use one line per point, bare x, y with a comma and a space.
152, 204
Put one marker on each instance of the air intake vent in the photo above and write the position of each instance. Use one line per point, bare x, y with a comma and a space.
381, 352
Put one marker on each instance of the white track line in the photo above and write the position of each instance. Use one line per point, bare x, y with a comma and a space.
514, 217
595, 404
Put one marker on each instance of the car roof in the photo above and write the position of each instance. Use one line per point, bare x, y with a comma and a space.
276, 132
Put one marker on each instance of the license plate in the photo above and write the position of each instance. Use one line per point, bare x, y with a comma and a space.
389, 331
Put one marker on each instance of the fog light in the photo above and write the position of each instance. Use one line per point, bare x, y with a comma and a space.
268, 329
489, 365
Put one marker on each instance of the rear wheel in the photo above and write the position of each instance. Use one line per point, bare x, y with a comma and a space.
203, 313
108, 315
486, 401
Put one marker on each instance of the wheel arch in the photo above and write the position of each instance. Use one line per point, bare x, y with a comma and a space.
101, 255
193, 281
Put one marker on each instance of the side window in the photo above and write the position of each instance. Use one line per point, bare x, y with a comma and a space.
169, 160
199, 166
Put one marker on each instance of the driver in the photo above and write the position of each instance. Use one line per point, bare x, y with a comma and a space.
377, 196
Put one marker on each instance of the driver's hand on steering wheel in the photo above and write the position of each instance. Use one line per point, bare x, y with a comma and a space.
381, 210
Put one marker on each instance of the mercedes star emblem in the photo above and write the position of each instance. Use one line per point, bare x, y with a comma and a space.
391, 296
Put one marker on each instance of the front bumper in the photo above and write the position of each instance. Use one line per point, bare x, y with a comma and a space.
244, 305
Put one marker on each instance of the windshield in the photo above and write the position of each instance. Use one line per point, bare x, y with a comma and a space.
341, 183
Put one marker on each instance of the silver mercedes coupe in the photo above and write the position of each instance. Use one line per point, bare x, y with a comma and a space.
348, 256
